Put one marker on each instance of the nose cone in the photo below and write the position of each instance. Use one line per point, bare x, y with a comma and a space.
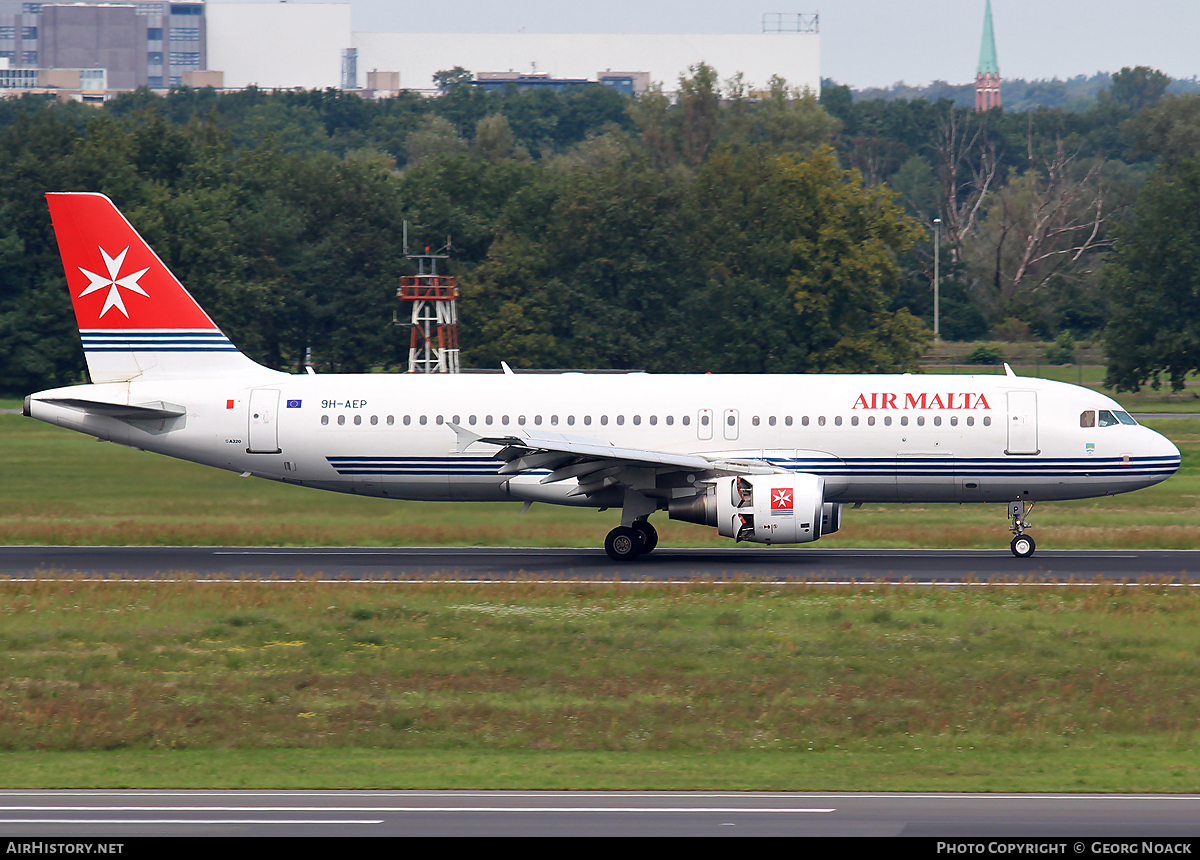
1163, 454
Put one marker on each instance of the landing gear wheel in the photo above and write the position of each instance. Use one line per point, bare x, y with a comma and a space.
649, 535
1023, 546
623, 544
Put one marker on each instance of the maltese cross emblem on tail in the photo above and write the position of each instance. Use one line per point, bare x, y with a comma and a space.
113, 282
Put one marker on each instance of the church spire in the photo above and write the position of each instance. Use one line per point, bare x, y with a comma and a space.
987, 76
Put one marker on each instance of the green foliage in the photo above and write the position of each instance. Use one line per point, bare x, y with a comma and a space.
1154, 281
1137, 87
1062, 351
985, 353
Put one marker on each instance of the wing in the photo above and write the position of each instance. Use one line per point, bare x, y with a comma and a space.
598, 465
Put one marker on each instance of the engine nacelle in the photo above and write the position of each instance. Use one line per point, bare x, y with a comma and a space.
763, 508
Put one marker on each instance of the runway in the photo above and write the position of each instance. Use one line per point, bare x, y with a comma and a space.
486, 564
971, 817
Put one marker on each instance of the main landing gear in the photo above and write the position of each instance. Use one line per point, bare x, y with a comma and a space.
1022, 545
625, 543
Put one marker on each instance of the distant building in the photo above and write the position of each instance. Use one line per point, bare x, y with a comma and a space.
794, 55
284, 45
137, 43
987, 76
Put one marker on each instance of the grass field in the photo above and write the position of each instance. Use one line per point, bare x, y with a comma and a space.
60, 487
531, 686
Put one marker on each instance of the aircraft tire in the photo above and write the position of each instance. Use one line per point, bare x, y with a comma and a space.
648, 534
623, 544
1023, 546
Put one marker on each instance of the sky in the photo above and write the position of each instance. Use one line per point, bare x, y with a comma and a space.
864, 43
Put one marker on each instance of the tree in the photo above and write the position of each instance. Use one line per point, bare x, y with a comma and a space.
1153, 278
1137, 87
451, 79
1046, 223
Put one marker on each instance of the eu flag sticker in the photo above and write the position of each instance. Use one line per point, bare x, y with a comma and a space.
293, 404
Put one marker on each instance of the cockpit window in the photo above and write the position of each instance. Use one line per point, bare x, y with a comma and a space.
1125, 418
1107, 419
1087, 418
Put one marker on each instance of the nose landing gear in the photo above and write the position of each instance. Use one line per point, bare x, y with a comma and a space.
1022, 545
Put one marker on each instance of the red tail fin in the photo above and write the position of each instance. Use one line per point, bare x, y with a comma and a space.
134, 316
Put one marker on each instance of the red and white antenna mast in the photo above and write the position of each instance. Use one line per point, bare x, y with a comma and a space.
433, 339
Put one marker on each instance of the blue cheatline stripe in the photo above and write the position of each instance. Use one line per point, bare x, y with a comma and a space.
177, 340
422, 466
1106, 467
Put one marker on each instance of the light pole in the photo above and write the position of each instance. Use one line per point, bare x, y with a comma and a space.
937, 235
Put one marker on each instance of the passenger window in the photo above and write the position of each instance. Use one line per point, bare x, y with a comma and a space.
987, 420
620, 420
653, 420
670, 420
704, 420
1087, 418
504, 420
341, 420
537, 419
970, 420
853, 420
903, 420
488, 420
520, 419
553, 420
423, 420
920, 420
374, 420
686, 420
821, 421
603, 421
937, 420
870, 420
571, 420
407, 420
788, 421
771, 420
456, 421
754, 420
637, 419
391, 420
887, 420
838, 421
804, 420
324, 419
953, 420
587, 420
439, 419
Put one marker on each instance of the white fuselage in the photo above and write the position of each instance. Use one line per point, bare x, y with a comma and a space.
873, 438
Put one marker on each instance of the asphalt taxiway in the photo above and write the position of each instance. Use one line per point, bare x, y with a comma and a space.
664, 565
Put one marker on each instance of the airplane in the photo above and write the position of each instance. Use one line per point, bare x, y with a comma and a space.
770, 459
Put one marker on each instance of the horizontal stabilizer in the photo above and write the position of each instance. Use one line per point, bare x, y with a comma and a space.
145, 411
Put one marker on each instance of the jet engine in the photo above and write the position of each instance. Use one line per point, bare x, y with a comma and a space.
763, 508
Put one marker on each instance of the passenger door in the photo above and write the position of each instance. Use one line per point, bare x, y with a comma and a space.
1022, 423
264, 421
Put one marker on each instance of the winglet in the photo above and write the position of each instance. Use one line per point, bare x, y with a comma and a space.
1008, 371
